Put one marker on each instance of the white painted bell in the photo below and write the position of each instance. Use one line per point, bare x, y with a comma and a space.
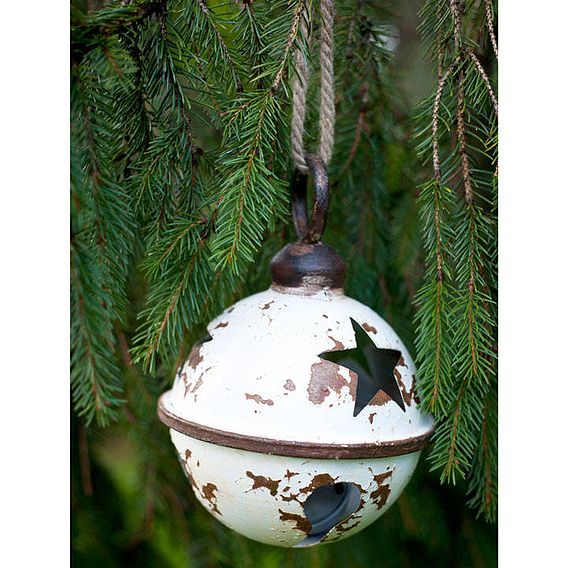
297, 422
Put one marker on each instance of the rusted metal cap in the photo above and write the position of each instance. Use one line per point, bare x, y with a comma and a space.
308, 265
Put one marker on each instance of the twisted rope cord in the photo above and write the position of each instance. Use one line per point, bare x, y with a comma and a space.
300, 87
327, 105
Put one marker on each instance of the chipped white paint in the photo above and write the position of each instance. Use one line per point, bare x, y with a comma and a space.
261, 376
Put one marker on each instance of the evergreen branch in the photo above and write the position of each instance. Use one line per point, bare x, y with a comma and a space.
455, 447
169, 66
299, 12
183, 234
92, 31
102, 229
208, 32
163, 181
159, 182
433, 299
462, 252
94, 373
439, 338
253, 192
433, 315
483, 481
179, 266
130, 112
248, 35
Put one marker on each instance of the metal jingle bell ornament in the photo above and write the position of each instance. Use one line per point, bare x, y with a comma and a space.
297, 422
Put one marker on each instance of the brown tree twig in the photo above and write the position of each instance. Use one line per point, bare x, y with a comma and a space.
485, 78
464, 158
435, 120
359, 128
462, 145
85, 462
489, 19
355, 18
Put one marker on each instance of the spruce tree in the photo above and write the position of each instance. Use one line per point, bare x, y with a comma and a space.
180, 174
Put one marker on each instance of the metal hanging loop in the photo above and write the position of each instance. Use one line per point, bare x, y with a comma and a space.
310, 231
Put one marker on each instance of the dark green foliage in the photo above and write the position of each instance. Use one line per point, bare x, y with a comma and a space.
180, 166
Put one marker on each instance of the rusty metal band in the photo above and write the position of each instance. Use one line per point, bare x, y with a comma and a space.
290, 448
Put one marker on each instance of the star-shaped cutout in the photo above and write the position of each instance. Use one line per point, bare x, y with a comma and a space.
374, 368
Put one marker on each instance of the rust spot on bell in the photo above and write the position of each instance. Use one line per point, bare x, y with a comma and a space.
191, 388
267, 305
402, 362
353, 384
369, 328
259, 399
260, 481
407, 396
197, 384
208, 492
338, 346
317, 481
187, 454
290, 474
372, 417
195, 357
343, 528
289, 385
326, 378
291, 497
222, 324
183, 377
302, 523
379, 399
380, 495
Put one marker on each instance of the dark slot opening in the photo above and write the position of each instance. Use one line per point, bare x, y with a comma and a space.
328, 506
